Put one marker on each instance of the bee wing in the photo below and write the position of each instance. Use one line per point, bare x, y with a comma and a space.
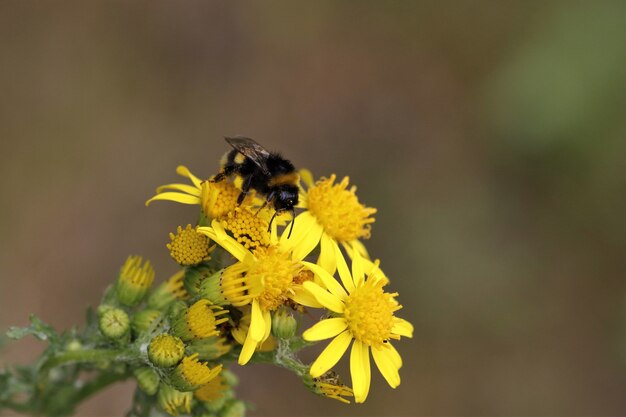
251, 150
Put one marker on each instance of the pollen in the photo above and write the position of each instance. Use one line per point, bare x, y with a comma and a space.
271, 277
203, 319
196, 373
338, 210
247, 228
188, 247
218, 198
369, 312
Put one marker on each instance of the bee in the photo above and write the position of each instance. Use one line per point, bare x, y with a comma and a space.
267, 173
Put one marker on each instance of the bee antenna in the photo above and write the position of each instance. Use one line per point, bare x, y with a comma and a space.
269, 227
293, 220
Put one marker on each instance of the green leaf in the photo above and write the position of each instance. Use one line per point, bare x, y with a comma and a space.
37, 328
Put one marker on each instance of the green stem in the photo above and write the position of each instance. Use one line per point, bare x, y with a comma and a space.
89, 355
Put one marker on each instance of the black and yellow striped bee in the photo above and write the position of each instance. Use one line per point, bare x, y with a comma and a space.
267, 173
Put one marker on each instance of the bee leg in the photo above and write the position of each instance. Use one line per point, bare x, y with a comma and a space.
245, 187
226, 171
269, 199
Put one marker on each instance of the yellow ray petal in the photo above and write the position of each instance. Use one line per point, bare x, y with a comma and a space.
331, 355
394, 356
304, 224
307, 177
358, 275
307, 244
358, 246
185, 188
177, 197
402, 327
257, 322
184, 171
247, 350
386, 366
342, 267
326, 329
305, 298
328, 280
217, 233
360, 370
267, 318
327, 258
325, 298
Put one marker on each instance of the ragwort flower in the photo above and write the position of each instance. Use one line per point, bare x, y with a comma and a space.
364, 315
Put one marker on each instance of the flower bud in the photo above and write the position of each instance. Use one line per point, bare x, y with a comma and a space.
114, 323
284, 325
134, 281
211, 289
235, 408
191, 374
195, 276
174, 402
210, 348
167, 292
165, 350
144, 319
198, 321
147, 379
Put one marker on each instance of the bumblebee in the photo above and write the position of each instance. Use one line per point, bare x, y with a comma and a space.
267, 173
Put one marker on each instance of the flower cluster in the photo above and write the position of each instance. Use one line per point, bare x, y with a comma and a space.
246, 277
259, 277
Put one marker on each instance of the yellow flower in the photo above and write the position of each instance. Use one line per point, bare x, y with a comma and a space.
217, 199
174, 402
212, 391
364, 313
188, 247
333, 216
191, 374
169, 291
264, 278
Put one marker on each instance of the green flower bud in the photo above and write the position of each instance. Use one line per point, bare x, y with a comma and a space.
211, 289
114, 323
174, 402
199, 321
169, 291
147, 379
195, 276
191, 374
210, 348
134, 281
165, 350
144, 319
284, 325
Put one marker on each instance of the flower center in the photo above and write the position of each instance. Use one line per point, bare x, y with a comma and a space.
195, 372
188, 247
247, 228
218, 198
338, 209
369, 313
272, 276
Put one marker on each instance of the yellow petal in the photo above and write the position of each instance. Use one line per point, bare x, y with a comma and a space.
304, 224
185, 188
217, 233
184, 171
325, 298
267, 317
247, 350
358, 246
303, 297
327, 254
307, 244
386, 366
402, 327
326, 329
331, 355
358, 276
307, 177
328, 280
257, 322
177, 197
342, 267
360, 370
394, 356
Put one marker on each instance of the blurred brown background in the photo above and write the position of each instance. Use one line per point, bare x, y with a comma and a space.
489, 134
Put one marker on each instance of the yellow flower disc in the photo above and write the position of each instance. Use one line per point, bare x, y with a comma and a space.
213, 390
247, 228
369, 313
188, 247
165, 350
270, 278
338, 210
196, 373
218, 198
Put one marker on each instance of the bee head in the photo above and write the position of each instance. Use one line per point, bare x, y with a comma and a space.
286, 198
